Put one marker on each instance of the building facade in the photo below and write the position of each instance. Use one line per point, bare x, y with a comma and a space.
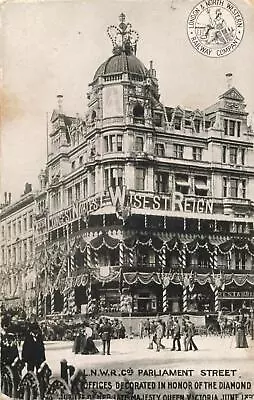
18, 278
145, 208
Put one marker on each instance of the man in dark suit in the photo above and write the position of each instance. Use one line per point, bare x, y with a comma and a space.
176, 335
105, 332
33, 352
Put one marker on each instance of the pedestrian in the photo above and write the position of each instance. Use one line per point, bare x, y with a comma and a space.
176, 336
159, 335
121, 330
240, 336
169, 326
185, 334
152, 336
147, 328
191, 332
106, 335
33, 351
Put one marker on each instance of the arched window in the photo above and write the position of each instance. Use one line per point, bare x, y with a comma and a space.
138, 114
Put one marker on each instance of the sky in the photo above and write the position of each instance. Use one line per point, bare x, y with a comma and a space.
54, 47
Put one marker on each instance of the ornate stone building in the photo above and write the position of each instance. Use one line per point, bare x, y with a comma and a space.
18, 277
145, 208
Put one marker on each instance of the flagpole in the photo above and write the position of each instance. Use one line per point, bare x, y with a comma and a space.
46, 282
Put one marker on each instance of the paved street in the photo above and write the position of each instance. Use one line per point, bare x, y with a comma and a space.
214, 353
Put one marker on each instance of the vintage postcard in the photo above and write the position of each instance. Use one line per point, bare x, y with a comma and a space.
127, 199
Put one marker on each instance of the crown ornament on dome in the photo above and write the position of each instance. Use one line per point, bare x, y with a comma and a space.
123, 37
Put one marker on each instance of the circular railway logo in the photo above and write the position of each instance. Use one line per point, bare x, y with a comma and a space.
215, 27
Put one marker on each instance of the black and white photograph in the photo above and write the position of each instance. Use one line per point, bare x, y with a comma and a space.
127, 199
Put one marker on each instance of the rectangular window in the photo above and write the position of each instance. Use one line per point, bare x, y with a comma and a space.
243, 156
14, 229
157, 119
178, 123
234, 188
243, 188
9, 231
197, 153
77, 191
225, 126
224, 154
25, 251
3, 256
2, 231
30, 221
80, 160
69, 195
92, 182
73, 165
161, 182
225, 187
233, 155
178, 151
232, 127
19, 226
182, 183
238, 128
140, 179
85, 188
139, 144
120, 176
25, 224
119, 143
159, 149
106, 179
106, 146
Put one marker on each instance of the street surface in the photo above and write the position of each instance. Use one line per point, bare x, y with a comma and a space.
131, 358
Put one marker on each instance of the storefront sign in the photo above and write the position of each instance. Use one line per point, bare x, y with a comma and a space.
246, 294
174, 202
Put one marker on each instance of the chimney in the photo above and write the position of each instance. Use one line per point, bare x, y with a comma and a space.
229, 77
60, 103
5, 197
9, 198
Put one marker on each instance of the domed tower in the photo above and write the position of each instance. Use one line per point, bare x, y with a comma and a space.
123, 90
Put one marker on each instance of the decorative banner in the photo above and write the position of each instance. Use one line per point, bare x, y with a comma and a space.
113, 275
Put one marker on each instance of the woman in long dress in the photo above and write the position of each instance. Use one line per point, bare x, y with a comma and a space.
240, 336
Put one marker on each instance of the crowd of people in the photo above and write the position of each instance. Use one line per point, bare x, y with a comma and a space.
181, 332
158, 329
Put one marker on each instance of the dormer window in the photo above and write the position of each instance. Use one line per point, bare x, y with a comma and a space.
73, 165
178, 123
197, 124
157, 119
138, 114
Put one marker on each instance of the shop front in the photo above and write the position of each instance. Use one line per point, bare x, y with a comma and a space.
233, 298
